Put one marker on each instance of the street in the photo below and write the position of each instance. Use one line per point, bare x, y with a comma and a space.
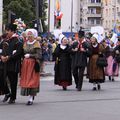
52, 103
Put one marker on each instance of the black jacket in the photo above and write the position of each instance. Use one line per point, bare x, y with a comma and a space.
14, 61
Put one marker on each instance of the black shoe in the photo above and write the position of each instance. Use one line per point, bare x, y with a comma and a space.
33, 97
29, 103
99, 87
113, 80
64, 88
109, 78
94, 89
6, 98
78, 89
11, 101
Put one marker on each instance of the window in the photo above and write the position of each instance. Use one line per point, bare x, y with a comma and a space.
98, 22
92, 21
98, 1
92, 10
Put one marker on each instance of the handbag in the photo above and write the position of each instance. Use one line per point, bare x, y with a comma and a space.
102, 61
37, 66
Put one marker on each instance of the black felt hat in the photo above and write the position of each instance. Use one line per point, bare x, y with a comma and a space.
81, 33
11, 27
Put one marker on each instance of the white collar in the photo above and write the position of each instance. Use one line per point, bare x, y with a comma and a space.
95, 45
30, 43
62, 47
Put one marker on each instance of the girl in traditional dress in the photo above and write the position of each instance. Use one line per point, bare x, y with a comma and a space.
63, 76
112, 69
29, 76
95, 73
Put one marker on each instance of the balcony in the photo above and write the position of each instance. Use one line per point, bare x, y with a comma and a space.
94, 4
94, 15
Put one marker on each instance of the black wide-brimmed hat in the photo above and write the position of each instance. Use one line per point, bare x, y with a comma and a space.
11, 27
81, 33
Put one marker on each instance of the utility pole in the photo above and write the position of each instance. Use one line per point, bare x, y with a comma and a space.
71, 16
49, 16
11, 16
37, 15
1, 14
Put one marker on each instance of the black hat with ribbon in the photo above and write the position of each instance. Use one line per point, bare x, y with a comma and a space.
12, 27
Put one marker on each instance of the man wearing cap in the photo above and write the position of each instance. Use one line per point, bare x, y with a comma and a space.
11, 56
81, 49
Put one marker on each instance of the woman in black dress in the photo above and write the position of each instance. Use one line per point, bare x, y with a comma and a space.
63, 76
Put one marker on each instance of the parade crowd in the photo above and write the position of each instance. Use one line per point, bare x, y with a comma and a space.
23, 56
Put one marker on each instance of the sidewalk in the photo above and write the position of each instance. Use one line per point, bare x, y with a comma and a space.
48, 75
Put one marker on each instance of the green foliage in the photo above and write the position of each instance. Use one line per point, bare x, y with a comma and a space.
24, 9
43, 19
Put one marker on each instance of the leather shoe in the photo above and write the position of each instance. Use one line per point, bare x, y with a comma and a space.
29, 103
94, 89
11, 101
99, 87
64, 88
6, 98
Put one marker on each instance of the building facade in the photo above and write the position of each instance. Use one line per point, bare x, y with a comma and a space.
1, 9
90, 13
111, 14
86, 14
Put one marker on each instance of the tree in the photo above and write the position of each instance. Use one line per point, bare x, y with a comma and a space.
24, 9
43, 14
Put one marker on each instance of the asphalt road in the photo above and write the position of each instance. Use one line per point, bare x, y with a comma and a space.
52, 103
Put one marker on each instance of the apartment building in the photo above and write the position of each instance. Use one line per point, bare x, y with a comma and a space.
111, 14
90, 13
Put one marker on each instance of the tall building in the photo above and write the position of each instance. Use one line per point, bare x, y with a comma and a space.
1, 9
111, 13
90, 13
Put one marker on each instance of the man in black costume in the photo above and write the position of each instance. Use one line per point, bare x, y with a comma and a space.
81, 49
11, 60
